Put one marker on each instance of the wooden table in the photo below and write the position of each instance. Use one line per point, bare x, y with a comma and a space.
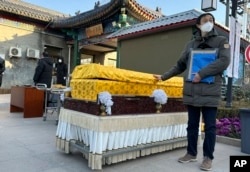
28, 100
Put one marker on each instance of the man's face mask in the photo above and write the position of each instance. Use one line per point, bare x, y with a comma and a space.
207, 27
60, 61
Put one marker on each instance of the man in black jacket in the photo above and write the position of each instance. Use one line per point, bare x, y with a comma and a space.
43, 72
61, 71
2, 69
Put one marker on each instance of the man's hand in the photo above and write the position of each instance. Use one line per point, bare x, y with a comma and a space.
197, 78
157, 77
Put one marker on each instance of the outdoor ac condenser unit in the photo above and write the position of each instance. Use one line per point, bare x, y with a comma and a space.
33, 53
15, 52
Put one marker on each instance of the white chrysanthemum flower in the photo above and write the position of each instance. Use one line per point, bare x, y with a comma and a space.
160, 96
105, 98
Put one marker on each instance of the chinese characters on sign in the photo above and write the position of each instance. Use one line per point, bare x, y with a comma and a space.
94, 30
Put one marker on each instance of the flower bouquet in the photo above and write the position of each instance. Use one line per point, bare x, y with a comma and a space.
105, 99
160, 98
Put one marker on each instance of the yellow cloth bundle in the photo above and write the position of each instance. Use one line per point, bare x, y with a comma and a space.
90, 79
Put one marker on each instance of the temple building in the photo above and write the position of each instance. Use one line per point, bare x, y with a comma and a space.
28, 30
89, 29
25, 34
120, 33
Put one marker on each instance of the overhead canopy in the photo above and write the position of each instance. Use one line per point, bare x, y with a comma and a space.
93, 46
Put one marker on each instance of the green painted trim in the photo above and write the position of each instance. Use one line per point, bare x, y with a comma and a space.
118, 56
74, 34
76, 53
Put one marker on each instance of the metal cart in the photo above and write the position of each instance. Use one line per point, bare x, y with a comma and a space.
52, 100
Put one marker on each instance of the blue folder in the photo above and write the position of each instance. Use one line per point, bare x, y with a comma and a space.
200, 58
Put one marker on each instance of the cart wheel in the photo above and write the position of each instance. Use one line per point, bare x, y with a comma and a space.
44, 118
56, 122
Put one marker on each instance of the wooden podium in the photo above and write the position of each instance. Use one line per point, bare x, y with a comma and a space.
28, 100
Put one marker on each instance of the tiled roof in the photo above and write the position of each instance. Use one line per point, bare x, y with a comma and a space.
86, 17
104, 11
157, 23
25, 9
143, 11
62, 20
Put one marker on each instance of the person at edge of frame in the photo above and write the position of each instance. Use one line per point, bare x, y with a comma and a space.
2, 69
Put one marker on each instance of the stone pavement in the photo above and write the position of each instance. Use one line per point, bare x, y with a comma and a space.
28, 145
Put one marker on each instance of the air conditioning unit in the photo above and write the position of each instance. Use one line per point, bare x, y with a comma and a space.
33, 53
15, 52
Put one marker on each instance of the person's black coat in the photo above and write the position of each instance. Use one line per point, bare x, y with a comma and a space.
2, 69
43, 72
61, 73
2, 65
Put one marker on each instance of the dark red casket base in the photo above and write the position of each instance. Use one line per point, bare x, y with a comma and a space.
126, 105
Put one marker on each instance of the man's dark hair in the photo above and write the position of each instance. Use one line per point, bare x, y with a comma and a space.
45, 54
198, 20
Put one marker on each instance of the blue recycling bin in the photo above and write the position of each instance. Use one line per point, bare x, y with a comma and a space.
245, 130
